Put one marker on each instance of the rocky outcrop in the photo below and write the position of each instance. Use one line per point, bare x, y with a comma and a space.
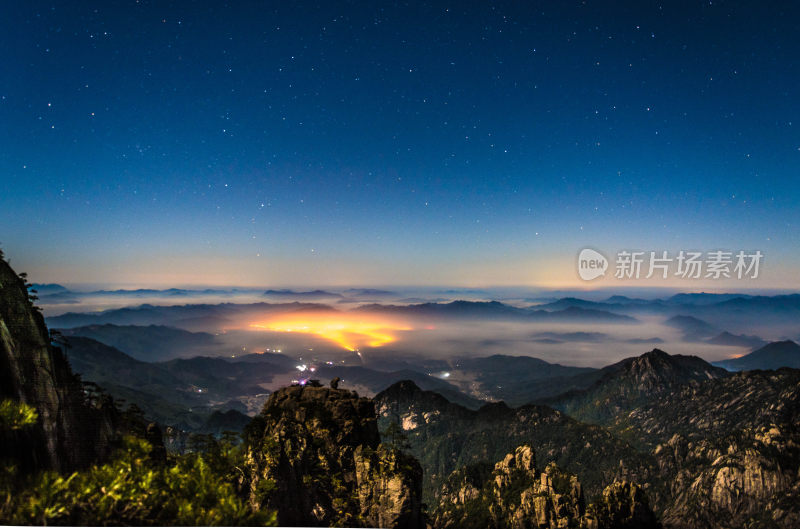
712, 450
314, 455
728, 450
634, 382
622, 505
389, 486
514, 494
445, 437
752, 477
73, 427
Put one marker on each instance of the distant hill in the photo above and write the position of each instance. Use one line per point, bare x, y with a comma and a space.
625, 300
181, 392
495, 310
368, 292
48, 288
453, 309
639, 341
581, 315
694, 329
631, 383
225, 421
587, 337
199, 315
772, 356
702, 298
520, 380
737, 340
104, 364
565, 303
374, 381
301, 295
148, 343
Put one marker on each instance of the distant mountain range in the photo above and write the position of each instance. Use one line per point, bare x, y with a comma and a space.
494, 310
184, 315
199, 316
737, 340
149, 343
182, 393
771, 356
720, 310
694, 329
293, 294
44, 289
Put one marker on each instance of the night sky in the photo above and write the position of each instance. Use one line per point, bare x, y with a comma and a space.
376, 143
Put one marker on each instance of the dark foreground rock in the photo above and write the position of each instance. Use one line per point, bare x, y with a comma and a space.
314, 455
73, 427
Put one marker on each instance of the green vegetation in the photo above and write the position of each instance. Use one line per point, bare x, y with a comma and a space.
134, 489
16, 415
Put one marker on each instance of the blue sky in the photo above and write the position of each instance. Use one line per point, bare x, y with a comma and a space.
338, 143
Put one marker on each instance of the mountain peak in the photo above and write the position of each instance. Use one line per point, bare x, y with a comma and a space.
632, 382
774, 355
660, 365
403, 386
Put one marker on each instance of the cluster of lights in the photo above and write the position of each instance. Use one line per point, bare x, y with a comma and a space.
346, 330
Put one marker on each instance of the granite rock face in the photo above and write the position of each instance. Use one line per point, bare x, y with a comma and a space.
314, 455
623, 505
73, 429
728, 450
515, 494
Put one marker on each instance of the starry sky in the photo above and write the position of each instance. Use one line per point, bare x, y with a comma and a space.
383, 143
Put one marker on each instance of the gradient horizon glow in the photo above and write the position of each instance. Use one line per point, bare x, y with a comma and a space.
294, 143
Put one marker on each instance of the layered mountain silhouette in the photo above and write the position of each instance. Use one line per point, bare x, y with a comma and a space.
148, 343
737, 340
774, 355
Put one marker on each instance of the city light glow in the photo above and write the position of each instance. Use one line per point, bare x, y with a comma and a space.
350, 332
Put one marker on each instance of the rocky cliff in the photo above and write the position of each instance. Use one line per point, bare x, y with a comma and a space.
445, 437
72, 429
728, 450
711, 450
516, 495
314, 455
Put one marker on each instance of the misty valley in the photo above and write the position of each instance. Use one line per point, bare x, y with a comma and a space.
372, 407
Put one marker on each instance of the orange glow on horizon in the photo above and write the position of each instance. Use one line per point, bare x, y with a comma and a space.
348, 331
